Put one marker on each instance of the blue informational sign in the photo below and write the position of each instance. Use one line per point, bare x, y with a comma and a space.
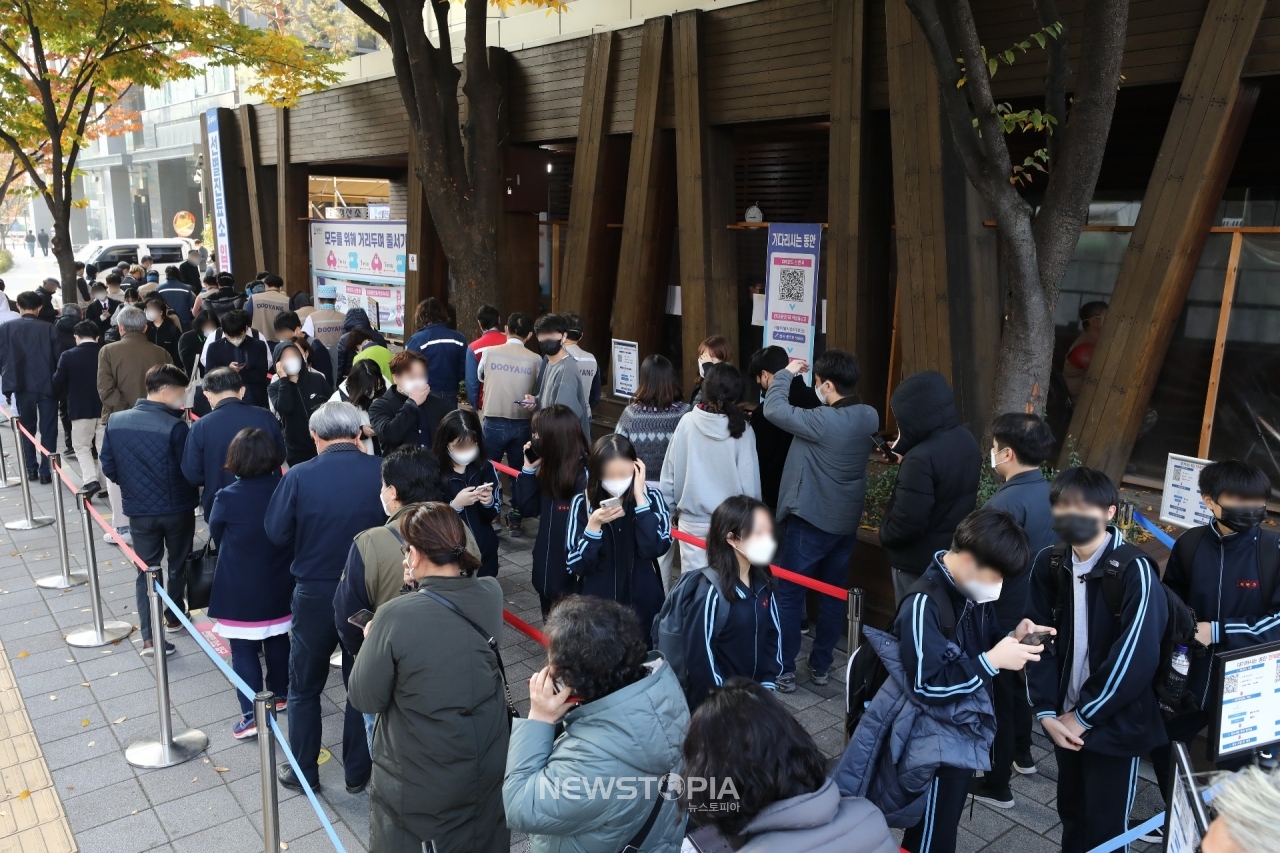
221, 229
791, 295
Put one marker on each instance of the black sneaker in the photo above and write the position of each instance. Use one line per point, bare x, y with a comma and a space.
786, 683
819, 678
988, 794
287, 778
46, 479
1023, 763
1154, 836
357, 787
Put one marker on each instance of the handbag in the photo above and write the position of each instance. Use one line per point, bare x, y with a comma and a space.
198, 574
512, 713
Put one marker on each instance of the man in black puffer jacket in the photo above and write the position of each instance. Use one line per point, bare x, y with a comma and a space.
937, 477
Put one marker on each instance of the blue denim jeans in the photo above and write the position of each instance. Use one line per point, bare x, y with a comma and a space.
506, 437
823, 556
244, 660
39, 409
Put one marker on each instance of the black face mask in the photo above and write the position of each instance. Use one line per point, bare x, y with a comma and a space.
1242, 518
1076, 529
549, 347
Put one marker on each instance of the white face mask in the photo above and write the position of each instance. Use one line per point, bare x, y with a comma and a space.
386, 510
409, 387
153, 314
993, 459
618, 486
293, 366
759, 550
208, 333
703, 364
822, 395
235, 342
981, 592
464, 457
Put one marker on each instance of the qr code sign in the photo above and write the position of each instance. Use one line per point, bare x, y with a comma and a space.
791, 285
1231, 683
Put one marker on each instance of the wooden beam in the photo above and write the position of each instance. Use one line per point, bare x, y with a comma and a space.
924, 328
1196, 156
1220, 344
648, 218
704, 195
846, 258
583, 289
249, 152
293, 262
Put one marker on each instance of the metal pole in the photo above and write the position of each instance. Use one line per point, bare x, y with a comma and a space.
67, 579
5, 482
101, 632
28, 522
169, 749
854, 614
264, 711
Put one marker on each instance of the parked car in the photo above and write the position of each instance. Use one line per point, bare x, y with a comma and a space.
163, 251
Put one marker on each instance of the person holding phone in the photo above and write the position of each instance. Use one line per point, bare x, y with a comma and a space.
470, 482
618, 527
553, 474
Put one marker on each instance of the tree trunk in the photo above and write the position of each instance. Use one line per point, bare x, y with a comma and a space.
1026, 345
60, 245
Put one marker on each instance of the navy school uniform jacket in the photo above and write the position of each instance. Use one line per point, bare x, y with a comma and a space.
252, 353
1025, 496
618, 562
1117, 703
1223, 587
478, 517
210, 438
940, 670
739, 633
551, 577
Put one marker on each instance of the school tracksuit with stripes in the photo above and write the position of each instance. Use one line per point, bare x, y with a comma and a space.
1116, 703
940, 673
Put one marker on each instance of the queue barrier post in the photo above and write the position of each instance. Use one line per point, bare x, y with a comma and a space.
854, 614
28, 521
102, 632
67, 579
169, 749
264, 712
5, 482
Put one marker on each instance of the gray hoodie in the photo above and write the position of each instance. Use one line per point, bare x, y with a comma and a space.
704, 465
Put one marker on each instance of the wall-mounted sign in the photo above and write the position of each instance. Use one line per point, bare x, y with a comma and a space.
221, 228
1180, 504
791, 293
359, 250
384, 303
626, 368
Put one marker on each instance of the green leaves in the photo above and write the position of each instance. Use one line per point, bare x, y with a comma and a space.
1040, 37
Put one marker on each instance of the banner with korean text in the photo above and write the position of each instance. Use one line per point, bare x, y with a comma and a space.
791, 298
366, 261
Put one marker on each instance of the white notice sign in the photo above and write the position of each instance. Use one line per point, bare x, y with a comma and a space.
1250, 711
1181, 504
626, 368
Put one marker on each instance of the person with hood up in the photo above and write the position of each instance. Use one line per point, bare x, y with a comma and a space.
711, 457
356, 319
781, 798
623, 716
939, 465
295, 394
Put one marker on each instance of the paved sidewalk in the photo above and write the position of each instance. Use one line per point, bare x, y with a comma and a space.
86, 705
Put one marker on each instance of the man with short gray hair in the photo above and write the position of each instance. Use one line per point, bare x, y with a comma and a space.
122, 382
317, 510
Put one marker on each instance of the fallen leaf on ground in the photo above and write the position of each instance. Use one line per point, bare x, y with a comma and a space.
84, 723
221, 769
25, 793
113, 675
53, 698
118, 722
24, 655
84, 684
93, 743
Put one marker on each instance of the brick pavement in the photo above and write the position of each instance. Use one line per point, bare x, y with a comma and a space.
86, 705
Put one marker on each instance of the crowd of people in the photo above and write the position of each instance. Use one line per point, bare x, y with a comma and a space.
660, 660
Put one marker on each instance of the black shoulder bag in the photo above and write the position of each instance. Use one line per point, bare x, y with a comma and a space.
512, 713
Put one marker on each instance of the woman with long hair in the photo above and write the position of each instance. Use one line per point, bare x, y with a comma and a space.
711, 457
553, 472
618, 527
440, 740
650, 419
713, 350
363, 385
470, 481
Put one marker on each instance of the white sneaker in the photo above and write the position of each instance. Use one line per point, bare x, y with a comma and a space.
124, 534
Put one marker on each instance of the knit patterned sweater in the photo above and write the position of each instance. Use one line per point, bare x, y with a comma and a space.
650, 431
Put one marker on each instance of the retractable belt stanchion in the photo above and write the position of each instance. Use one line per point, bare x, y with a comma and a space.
264, 711
5, 482
101, 632
68, 578
28, 521
854, 613
169, 749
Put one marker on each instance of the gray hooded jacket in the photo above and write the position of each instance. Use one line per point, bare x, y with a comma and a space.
704, 465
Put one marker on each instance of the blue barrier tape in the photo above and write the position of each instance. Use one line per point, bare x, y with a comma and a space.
1164, 538
238, 683
1142, 829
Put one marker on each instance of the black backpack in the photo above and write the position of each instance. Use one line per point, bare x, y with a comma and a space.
1179, 630
221, 305
866, 672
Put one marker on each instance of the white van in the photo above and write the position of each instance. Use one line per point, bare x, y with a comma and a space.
108, 253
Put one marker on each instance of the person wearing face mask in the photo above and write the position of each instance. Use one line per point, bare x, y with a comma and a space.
101, 307
192, 342
1094, 697
237, 346
559, 382
820, 498
772, 442
723, 621
1226, 573
178, 296
163, 329
295, 394
614, 549
714, 350
471, 481
1020, 443
951, 647
407, 413
142, 451
289, 328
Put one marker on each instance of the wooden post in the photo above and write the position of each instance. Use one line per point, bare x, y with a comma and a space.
1199, 149
586, 268
1220, 344
431, 278
704, 194
249, 149
846, 259
293, 242
924, 330
647, 223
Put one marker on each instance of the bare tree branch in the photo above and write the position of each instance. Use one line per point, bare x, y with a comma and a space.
372, 19
1057, 72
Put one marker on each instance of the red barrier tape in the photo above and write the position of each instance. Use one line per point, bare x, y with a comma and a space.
523, 627
778, 571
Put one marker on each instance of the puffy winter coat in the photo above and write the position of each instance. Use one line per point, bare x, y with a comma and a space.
142, 452
899, 743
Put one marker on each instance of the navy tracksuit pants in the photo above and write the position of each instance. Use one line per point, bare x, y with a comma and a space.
946, 797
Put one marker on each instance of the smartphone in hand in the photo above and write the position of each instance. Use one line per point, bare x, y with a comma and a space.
361, 618
610, 503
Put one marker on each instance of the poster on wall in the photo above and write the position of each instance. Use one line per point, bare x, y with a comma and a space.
366, 260
626, 368
791, 297
221, 228
1180, 504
